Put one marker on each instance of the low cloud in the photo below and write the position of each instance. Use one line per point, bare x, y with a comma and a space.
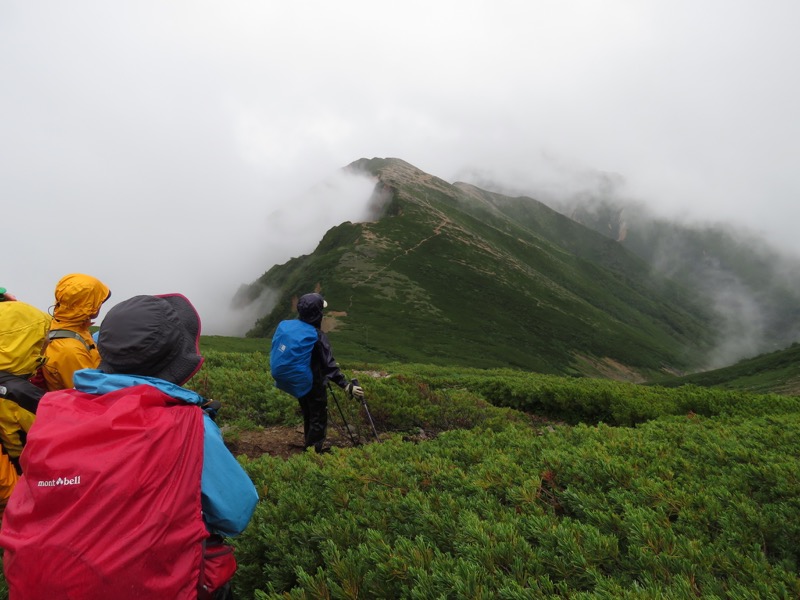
295, 229
744, 278
299, 224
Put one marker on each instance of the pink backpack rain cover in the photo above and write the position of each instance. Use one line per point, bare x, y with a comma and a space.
109, 503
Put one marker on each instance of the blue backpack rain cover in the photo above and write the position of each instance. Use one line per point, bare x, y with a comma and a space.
290, 357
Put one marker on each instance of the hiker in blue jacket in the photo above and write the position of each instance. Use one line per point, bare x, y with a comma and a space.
324, 368
154, 340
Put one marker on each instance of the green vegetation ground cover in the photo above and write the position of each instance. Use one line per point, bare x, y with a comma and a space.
221, 343
673, 509
627, 491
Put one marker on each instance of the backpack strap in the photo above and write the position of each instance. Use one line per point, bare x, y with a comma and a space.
57, 334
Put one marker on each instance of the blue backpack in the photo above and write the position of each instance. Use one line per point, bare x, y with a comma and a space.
290, 357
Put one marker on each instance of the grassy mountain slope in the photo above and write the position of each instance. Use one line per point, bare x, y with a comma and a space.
775, 372
452, 274
747, 281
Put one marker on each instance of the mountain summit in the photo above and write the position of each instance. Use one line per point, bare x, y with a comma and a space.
453, 274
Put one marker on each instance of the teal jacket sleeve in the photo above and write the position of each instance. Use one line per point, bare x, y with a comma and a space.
228, 495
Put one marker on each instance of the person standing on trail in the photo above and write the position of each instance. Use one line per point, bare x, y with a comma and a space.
71, 347
324, 368
128, 488
302, 364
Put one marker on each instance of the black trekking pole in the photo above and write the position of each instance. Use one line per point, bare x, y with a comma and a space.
346, 426
366, 410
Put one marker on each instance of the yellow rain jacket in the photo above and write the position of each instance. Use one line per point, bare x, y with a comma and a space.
15, 422
78, 301
23, 332
8, 480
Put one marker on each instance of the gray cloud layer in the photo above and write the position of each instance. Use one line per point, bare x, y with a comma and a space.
165, 146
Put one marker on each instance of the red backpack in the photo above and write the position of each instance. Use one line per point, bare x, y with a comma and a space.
109, 503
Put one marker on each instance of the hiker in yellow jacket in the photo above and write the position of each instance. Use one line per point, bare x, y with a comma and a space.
23, 331
71, 347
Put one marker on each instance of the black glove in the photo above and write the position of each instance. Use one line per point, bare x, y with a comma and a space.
212, 407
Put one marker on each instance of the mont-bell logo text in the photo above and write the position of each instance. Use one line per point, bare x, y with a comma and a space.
61, 481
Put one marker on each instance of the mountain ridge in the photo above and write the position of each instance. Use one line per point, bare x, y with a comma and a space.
453, 274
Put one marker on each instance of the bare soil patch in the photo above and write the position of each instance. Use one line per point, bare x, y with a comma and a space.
278, 441
275, 441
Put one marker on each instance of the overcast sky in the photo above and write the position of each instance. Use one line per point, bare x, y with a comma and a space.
167, 146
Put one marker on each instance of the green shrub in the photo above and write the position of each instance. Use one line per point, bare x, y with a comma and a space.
680, 506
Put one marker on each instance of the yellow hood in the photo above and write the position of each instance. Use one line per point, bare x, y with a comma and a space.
23, 330
78, 299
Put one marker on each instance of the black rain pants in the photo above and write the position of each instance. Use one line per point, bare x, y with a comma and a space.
314, 406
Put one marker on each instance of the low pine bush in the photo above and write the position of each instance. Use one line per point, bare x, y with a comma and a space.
678, 507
